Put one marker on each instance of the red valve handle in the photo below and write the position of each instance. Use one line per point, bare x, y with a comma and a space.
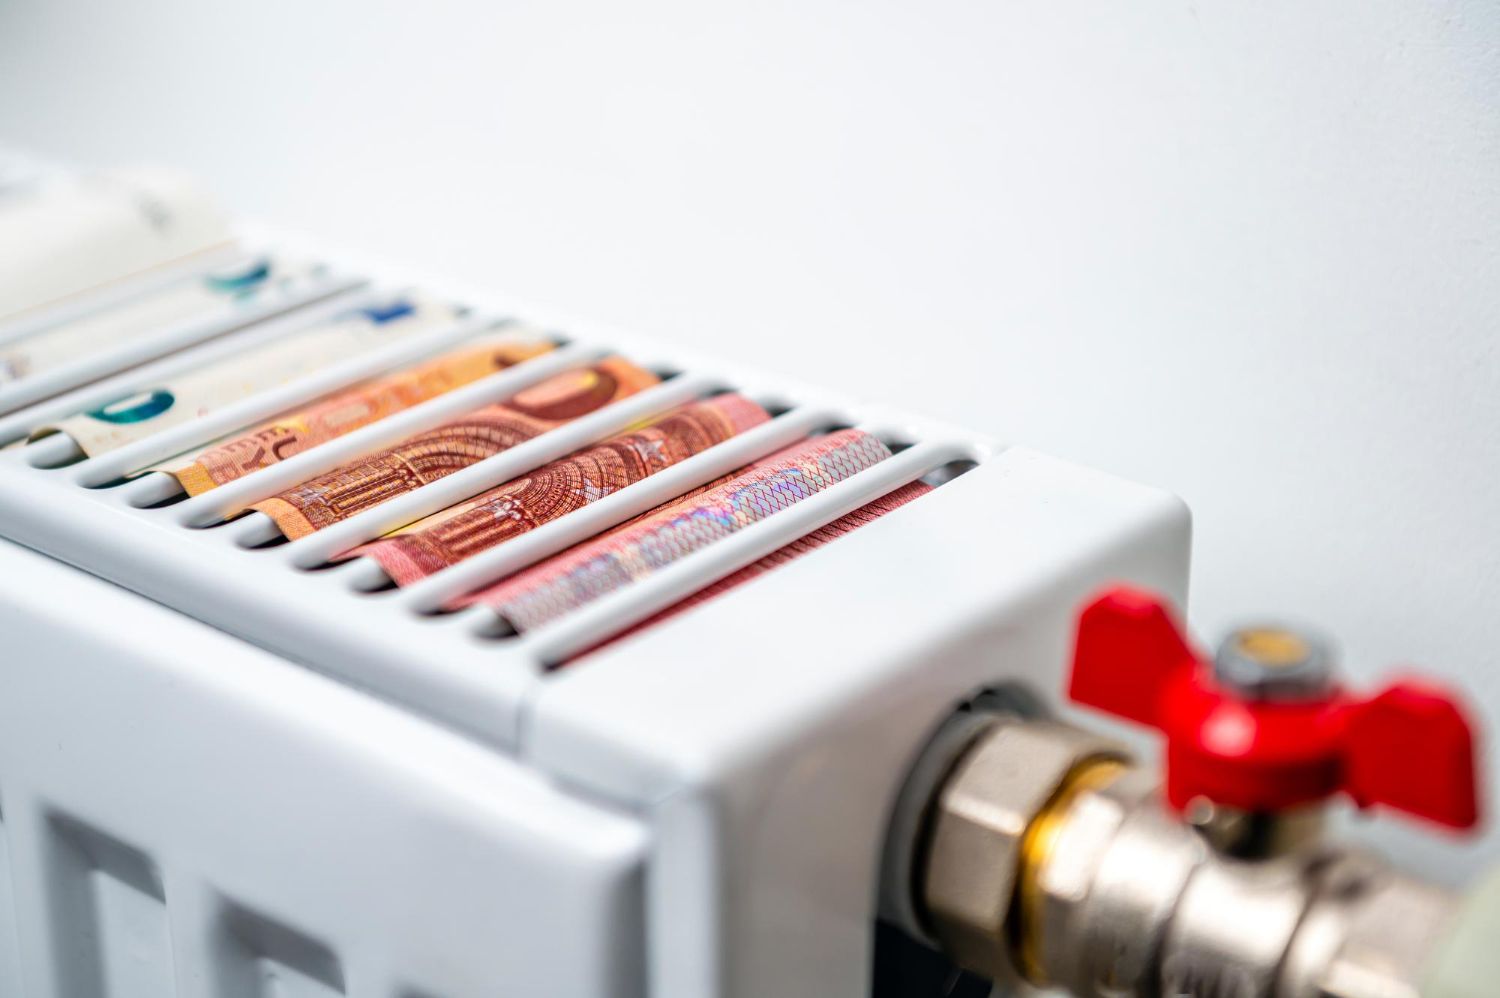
1408, 747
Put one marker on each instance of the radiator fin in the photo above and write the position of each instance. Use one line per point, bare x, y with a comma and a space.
266, 959
111, 907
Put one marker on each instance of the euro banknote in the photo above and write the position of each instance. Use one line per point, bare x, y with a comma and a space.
347, 411
223, 292
635, 550
558, 488
867, 513
195, 393
72, 232
455, 445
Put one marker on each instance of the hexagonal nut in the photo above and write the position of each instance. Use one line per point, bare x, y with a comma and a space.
979, 820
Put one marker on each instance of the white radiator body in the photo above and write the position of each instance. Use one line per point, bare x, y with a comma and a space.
225, 771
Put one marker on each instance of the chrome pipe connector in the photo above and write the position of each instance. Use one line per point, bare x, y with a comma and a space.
1050, 860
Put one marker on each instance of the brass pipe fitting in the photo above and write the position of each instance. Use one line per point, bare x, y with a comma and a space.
1049, 831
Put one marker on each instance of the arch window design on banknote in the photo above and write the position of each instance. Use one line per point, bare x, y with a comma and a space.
455, 445
560, 487
347, 411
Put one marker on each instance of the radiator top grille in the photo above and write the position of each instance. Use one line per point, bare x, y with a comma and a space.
293, 597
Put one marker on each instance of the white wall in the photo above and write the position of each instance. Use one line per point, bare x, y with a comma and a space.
1244, 251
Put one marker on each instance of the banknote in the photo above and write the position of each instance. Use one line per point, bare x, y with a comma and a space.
796, 549
346, 411
564, 485
235, 287
455, 445
634, 550
73, 232
191, 394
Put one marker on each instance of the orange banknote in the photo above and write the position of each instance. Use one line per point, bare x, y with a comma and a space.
347, 411
558, 488
469, 439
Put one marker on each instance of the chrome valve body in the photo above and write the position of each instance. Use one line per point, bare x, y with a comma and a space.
1050, 860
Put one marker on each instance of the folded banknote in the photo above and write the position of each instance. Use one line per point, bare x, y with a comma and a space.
636, 549
558, 488
191, 394
426, 457
224, 291
346, 411
867, 513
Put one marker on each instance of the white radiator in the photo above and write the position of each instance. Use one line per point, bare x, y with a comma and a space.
232, 771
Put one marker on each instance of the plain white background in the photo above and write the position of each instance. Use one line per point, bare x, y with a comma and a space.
1247, 252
